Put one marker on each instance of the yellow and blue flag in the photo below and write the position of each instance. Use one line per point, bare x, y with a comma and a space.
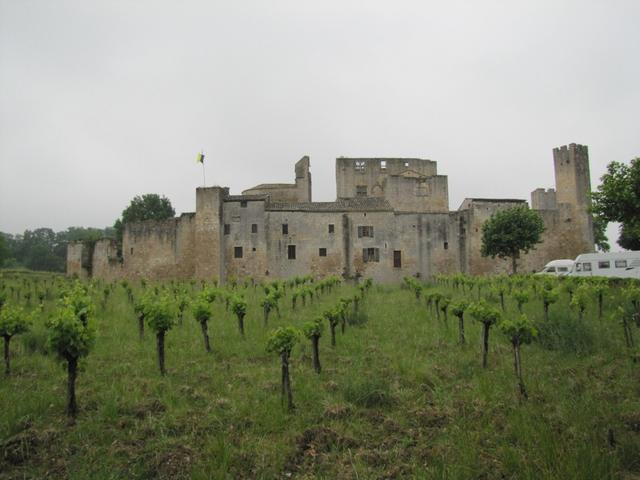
200, 158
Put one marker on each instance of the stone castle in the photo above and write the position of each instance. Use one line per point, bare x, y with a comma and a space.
391, 219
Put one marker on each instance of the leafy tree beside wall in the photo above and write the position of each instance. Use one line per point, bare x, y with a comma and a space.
510, 232
149, 206
617, 199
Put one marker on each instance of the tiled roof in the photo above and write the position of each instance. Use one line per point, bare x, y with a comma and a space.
368, 204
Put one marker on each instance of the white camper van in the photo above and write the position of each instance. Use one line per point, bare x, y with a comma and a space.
620, 264
557, 267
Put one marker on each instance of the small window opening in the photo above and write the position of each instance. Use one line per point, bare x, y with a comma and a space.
446, 245
397, 259
227, 229
361, 191
370, 255
132, 252
604, 264
253, 249
285, 229
331, 228
365, 231
322, 252
360, 165
383, 164
291, 252
243, 204
618, 263
586, 266
254, 228
406, 164
237, 252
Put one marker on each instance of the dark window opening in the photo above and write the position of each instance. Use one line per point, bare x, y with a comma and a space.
322, 252
132, 252
227, 229
285, 229
253, 249
619, 263
604, 264
361, 191
254, 228
237, 252
365, 231
370, 255
397, 259
291, 252
446, 245
586, 266
331, 228
243, 204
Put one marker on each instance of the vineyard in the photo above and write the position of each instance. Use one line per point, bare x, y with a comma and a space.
497, 377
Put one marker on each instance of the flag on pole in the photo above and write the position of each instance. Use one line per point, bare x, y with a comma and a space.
201, 158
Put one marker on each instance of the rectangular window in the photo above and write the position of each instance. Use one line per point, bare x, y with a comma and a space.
237, 252
578, 267
621, 264
254, 228
586, 266
291, 252
383, 164
397, 259
360, 165
604, 264
332, 228
243, 204
131, 250
227, 229
322, 252
285, 229
370, 255
446, 245
563, 269
361, 190
365, 231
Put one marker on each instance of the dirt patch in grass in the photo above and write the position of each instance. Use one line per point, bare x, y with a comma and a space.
314, 448
21, 447
173, 463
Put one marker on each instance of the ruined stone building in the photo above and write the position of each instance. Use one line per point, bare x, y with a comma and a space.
390, 219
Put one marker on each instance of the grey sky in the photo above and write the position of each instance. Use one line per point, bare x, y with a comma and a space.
104, 100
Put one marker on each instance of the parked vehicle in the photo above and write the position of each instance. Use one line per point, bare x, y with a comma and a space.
618, 264
557, 267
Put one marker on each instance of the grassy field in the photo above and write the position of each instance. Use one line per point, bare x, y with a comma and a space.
398, 397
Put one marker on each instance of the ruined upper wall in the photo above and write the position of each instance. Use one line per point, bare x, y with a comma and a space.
300, 191
409, 184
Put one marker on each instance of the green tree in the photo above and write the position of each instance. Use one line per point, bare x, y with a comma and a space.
202, 313
617, 199
458, 308
71, 339
313, 331
149, 206
600, 233
487, 315
239, 308
13, 321
520, 331
282, 341
510, 232
160, 316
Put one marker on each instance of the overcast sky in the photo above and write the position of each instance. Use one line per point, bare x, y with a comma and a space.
104, 100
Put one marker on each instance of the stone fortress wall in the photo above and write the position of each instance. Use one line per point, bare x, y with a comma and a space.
391, 219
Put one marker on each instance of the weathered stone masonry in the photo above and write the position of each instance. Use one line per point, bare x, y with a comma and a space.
391, 219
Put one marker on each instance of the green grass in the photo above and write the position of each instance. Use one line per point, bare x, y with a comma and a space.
397, 398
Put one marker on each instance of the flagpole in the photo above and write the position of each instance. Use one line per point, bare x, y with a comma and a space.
204, 180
